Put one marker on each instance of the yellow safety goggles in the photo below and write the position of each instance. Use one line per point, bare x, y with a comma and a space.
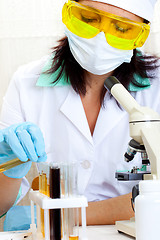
87, 22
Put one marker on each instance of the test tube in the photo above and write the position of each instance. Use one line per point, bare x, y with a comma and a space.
43, 175
70, 215
42, 211
64, 194
74, 221
73, 212
55, 214
48, 182
40, 181
38, 208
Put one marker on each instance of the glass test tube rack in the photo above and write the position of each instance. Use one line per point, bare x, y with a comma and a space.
46, 203
57, 204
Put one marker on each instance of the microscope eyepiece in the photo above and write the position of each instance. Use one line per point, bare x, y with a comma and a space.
110, 82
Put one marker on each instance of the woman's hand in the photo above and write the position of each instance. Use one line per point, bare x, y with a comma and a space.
25, 141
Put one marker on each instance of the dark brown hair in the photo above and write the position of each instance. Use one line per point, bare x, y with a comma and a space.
64, 61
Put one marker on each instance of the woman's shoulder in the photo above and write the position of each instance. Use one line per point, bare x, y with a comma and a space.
34, 67
31, 70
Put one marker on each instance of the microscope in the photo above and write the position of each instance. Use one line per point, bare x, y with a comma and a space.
144, 126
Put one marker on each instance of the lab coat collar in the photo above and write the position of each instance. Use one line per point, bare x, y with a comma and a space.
48, 80
109, 116
73, 109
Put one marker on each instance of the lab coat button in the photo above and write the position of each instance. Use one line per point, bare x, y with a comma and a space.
86, 164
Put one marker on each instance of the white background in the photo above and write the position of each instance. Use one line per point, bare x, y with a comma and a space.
29, 28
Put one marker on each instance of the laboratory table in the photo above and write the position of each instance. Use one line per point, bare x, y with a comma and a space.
105, 232
101, 232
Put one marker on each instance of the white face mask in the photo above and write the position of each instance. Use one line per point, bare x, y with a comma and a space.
95, 55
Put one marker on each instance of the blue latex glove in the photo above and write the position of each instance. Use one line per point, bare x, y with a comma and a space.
24, 141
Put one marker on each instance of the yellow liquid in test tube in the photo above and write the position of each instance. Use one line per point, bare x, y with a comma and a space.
2, 170
48, 192
42, 211
73, 238
44, 191
40, 183
44, 184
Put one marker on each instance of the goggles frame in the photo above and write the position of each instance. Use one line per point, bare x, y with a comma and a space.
143, 29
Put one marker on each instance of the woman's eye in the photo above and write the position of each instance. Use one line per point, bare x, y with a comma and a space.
89, 17
88, 20
121, 28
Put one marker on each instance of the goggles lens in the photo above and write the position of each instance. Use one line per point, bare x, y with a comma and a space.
87, 22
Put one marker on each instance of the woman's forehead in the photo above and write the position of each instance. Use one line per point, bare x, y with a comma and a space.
111, 9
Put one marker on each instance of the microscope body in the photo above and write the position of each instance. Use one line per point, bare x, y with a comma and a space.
144, 126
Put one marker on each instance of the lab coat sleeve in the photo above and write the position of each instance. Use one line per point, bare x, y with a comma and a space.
11, 113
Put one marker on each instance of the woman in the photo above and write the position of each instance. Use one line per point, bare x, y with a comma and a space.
64, 96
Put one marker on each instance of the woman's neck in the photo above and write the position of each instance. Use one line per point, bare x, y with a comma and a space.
92, 99
95, 83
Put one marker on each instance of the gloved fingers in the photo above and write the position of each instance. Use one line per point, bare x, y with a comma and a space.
12, 140
43, 158
27, 144
37, 139
25, 140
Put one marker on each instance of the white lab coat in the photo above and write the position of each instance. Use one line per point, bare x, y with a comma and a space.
58, 111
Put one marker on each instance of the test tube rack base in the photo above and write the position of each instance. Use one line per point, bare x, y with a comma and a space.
44, 202
16, 235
